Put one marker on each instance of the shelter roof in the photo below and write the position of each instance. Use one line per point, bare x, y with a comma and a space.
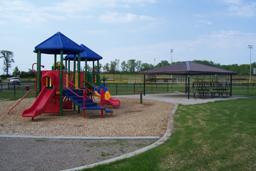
190, 68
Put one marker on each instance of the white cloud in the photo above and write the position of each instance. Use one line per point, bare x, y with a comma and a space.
241, 8
29, 12
203, 22
223, 47
115, 17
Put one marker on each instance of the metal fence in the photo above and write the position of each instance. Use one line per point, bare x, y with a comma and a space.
245, 89
10, 86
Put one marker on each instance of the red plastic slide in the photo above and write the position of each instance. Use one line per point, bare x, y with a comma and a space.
114, 102
39, 104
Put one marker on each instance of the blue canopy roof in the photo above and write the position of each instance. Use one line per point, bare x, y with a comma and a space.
86, 54
57, 43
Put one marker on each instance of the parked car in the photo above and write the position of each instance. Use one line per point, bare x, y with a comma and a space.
14, 80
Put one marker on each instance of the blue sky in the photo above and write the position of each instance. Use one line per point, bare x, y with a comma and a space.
146, 30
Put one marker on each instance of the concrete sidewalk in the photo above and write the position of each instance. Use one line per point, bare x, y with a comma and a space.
46, 154
179, 98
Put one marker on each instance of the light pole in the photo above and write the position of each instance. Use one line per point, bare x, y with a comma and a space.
171, 51
250, 47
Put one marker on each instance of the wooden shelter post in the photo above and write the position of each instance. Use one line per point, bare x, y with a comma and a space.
186, 82
230, 85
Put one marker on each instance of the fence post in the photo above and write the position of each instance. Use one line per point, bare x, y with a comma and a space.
134, 88
141, 99
14, 89
116, 88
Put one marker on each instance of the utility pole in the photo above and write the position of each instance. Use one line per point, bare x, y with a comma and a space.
250, 47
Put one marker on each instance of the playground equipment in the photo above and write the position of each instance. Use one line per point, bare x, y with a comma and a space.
107, 99
60, 88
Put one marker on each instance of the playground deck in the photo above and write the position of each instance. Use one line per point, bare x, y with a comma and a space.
131, 119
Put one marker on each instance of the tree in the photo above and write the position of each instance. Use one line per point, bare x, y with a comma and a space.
163, 63
210, 63
106, 67
57, 66
146, 66
16, 71
26, 74
114, 65
124, 67
8, 60
100, 67
138, 66
131, 65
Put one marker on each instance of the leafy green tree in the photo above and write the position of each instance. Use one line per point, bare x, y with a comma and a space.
26, 74
106, 67
58, 66
138, 66
114, 65
210, 63
124, 66
146, 66
16, 71
163, 63
131, 65
8, 60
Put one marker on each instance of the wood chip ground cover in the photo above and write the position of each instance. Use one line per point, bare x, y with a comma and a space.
131, 119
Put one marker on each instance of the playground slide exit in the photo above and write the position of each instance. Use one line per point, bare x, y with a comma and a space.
39, 104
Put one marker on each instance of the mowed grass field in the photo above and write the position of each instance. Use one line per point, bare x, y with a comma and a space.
212, 136
10, 95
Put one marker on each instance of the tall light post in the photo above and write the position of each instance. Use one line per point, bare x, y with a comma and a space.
171, 51
250, 47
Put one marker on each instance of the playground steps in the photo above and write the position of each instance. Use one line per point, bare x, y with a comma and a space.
75, 97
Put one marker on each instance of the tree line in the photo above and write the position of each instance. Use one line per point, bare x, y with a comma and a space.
117, 66
132, 66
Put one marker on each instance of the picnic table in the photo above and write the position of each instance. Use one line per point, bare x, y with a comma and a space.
210, 89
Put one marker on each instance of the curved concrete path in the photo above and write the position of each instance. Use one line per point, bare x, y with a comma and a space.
52, 154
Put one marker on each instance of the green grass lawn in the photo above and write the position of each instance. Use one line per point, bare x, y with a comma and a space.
9, 94
213, 136
121, 89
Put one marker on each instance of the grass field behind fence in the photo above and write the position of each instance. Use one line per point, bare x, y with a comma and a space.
136, 88
11, 95
212, 136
